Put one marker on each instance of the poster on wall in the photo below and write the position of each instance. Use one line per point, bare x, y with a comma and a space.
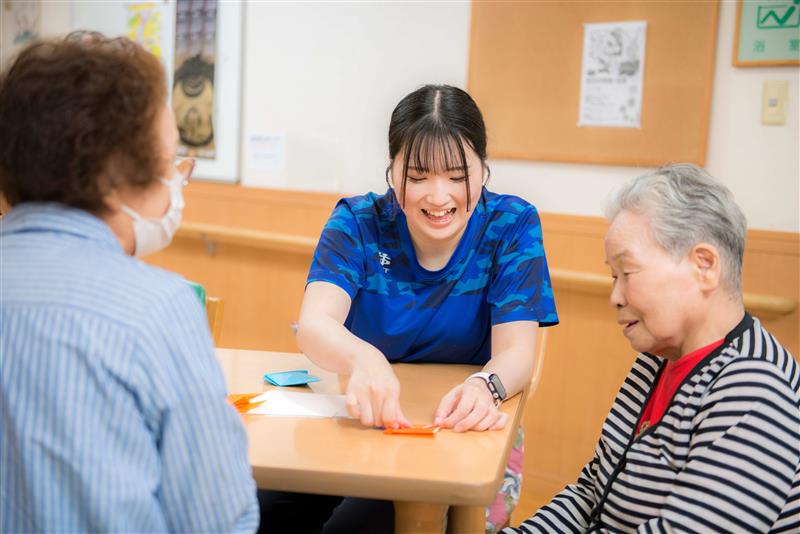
25, 17
19, 26
193, 79
144, 26
199, 43
612, 74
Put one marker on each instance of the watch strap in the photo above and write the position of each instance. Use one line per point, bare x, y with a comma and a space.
487, 379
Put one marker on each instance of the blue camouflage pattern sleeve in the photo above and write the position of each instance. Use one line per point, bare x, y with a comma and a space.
520, 287
339, 256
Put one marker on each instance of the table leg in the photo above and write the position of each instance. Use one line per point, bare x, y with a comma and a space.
466, 520
415, 517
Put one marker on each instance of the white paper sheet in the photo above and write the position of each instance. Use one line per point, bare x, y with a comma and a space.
266, 160
612, 74
294, 404
266, 151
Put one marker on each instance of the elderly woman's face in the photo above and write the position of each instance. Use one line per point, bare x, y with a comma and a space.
655, 297
154, 201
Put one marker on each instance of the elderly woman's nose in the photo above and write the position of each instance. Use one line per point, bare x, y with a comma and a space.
617, 297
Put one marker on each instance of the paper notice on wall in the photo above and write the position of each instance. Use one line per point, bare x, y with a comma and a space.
25, 20
267, 151
612, 74
265, 160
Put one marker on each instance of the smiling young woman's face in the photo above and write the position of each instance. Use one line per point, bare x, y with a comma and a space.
435, 199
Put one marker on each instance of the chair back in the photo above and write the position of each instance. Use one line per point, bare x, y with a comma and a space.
214, 309
538, 360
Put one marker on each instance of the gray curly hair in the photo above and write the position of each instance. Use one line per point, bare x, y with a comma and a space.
685, 206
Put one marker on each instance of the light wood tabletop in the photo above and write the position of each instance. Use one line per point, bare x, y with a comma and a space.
341, 457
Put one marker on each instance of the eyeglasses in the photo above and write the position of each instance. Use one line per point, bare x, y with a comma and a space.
185, 169
181, 178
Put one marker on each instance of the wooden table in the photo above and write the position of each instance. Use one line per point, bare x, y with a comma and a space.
421, 475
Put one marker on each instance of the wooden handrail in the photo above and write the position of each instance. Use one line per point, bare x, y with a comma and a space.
598, 284
583, 282
247, 237
580, 281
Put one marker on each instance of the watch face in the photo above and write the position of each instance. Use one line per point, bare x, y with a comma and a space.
498, 386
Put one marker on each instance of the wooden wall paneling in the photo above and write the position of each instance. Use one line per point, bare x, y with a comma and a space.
772, 266
292, 212
262, 289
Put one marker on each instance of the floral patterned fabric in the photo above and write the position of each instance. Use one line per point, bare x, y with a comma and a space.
498, 513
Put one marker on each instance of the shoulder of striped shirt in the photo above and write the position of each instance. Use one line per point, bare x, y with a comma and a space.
754, 343
758, 344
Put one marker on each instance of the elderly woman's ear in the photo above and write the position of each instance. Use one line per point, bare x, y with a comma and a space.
5, 207
706, 261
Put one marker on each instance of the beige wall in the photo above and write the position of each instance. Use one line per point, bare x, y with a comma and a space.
363, 58
328, 75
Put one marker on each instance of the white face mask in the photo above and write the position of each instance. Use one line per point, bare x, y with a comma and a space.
152, 235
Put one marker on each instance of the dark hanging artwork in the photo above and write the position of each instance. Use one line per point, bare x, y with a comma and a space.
193, 95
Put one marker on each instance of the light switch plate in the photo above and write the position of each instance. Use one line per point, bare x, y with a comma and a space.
773, 101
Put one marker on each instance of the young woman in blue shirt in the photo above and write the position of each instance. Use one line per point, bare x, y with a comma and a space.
437, 269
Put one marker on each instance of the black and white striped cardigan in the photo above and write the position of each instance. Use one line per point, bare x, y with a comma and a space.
725, 456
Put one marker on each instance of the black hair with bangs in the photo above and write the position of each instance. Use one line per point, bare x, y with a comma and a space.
430, 127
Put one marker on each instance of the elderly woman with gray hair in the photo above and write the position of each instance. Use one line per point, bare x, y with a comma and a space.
704, 435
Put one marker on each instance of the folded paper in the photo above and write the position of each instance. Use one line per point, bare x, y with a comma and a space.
244, 402
416, 430
296, 404
290, 378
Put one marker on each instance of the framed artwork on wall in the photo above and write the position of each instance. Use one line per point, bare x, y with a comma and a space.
200, 44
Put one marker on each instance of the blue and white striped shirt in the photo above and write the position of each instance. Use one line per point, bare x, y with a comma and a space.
113, 415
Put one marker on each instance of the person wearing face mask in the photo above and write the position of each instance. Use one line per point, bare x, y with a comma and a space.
437, 269
114, 413
153, 234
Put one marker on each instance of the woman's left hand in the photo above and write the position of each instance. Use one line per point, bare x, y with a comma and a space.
469, 406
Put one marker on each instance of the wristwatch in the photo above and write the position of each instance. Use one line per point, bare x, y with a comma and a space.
494, 384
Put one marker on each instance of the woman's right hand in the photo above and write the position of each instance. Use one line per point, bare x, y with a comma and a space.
373, 393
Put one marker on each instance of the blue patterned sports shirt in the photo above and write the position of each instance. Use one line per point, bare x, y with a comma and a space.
497, 274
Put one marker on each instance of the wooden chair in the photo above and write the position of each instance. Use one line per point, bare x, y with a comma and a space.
538, 362
536, 377
214, 309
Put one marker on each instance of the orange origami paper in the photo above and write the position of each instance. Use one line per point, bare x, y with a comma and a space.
416, 430
241, 401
